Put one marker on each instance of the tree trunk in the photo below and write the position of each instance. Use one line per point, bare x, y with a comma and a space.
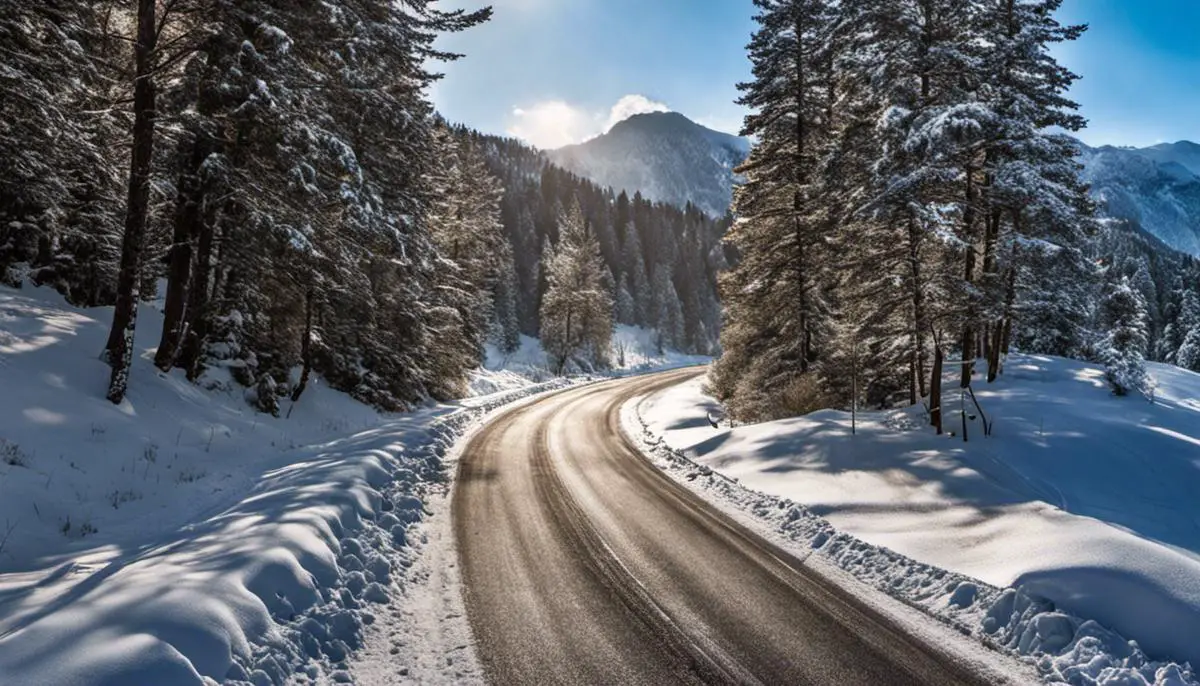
119, 349
191, 356
913, 398
968, 338
993, 360
45, 249
798, 199
985, 344
305, 348
179, 272
1004, 328
918, 303
935, 389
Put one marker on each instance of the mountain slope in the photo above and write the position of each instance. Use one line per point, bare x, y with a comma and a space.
1184, 153
1156, 188
665, 156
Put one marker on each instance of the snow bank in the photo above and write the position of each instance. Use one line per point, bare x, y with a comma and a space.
1077, 507
180, 538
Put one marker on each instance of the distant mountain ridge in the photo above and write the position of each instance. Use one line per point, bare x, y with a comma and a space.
1157, 188
669, 158
665, 156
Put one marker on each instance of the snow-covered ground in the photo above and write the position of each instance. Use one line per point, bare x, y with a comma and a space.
1082, 502
634, 350
181, 537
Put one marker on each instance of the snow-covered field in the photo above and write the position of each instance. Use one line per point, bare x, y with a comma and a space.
1082, 502
181, 537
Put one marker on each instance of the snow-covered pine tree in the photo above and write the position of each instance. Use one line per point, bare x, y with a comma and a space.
930, 129
60, 203
506, 323
623, 306
1031, 199
1123, 318
576, 314
637, 281
466, 228
1188, 356
889, 257
335, 180
668, 327
773, 297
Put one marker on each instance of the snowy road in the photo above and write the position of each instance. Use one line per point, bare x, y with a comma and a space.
583, 563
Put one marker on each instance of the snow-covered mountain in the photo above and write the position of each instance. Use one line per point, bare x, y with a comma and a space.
1158, 188
665, 156
669, 158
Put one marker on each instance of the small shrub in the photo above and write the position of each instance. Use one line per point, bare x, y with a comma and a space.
85, 529
188, 475
752, 401
12, 455
802, 396
118, 498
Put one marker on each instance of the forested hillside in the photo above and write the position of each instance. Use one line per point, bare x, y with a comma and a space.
1167, 282
662, 261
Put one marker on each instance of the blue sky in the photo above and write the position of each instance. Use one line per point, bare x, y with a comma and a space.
559, 71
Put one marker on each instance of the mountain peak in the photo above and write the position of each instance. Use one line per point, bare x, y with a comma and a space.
654, 119
664, 155
674, 122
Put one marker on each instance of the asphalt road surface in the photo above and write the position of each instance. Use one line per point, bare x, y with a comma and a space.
585, 564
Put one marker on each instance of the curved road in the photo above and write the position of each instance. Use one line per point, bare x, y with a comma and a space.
584, 564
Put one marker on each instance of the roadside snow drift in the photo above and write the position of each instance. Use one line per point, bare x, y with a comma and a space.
181, 537
1083, 502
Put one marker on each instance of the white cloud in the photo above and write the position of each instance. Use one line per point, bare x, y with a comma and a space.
551, 124
555, 123
630, 105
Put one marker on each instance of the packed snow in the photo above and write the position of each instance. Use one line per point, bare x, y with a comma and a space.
1076, 523
182, 538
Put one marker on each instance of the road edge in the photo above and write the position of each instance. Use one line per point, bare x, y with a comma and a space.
765, 516
425, 636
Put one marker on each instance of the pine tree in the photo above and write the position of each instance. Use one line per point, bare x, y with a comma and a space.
774, 296
636, 280
1032, 198
1123, 316
466, 228
576, 312
1188, 356
624, 307
62, 179
669, 318
506, 327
